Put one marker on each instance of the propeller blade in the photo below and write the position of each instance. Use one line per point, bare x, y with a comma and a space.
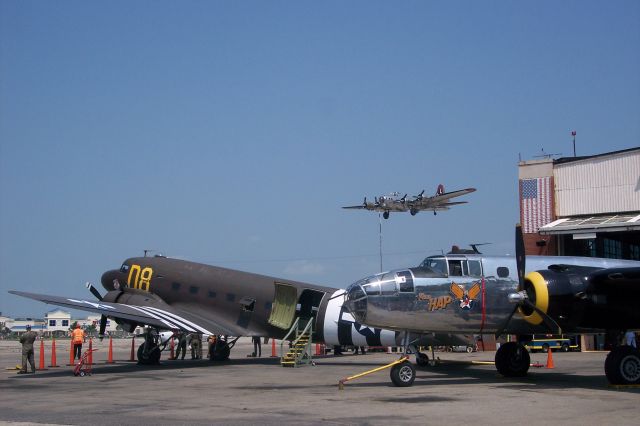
520, 256
548, 321
504, 325
365, 202
93, 291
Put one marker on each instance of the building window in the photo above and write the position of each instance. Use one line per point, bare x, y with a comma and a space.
52, 323
611, 249
65, 323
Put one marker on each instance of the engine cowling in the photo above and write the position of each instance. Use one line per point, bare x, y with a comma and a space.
580, 298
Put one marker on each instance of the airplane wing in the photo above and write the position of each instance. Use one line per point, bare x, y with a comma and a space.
356, 207
167, 317
441, 199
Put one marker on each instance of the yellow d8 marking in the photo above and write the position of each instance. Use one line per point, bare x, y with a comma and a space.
139, 278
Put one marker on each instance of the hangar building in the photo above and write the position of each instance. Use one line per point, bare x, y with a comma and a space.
582, 206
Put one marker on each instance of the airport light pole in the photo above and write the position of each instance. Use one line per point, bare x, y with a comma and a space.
380, 236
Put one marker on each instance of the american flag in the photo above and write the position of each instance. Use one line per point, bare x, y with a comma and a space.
535, 203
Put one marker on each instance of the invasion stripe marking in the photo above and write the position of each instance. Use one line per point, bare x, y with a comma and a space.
175, 317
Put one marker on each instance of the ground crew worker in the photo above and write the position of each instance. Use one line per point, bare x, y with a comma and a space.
78, 338
196, 346
257, 348
212, 345
182, 345
27, 340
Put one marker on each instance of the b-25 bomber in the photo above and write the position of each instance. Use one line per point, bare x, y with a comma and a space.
472, 293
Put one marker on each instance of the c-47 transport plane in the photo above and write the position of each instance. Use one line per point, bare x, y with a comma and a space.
474, 294
177, 295
394, 203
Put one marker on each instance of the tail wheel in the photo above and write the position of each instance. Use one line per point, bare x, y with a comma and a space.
622, 366
512, 360
403, 374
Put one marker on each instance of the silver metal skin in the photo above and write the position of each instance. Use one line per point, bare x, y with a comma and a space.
457, 293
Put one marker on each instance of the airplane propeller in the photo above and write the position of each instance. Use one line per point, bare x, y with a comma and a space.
521, 297
103, 318
419, 196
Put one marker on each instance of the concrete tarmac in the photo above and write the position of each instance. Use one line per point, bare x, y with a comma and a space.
247, 390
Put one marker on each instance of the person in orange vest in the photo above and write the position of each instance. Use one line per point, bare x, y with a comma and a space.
78, 338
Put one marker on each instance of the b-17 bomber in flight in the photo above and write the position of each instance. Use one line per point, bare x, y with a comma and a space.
386, 204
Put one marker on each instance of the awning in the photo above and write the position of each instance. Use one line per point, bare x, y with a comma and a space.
592, 224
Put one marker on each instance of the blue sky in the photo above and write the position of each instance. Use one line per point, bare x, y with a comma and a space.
231, 133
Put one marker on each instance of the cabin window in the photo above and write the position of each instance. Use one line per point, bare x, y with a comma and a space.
193, 289
124, 267
475, 269
212, 294
175, 286
388, 284
371, 286
503, 271
405, 281
231, 297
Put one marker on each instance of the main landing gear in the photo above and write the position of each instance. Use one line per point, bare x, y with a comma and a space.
512, 360
149, 351
220, 348
622, 366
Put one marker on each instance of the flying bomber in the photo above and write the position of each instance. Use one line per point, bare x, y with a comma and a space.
472, 293
394, 203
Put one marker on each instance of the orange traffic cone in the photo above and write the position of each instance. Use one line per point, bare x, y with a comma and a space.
549, 359
273, 348
54, 361
133, 342
90, 357
41, 366
110, 355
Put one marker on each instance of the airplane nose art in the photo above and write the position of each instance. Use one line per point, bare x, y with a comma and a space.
357, 303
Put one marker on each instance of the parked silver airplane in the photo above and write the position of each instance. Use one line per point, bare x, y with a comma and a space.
474, 294
394, 203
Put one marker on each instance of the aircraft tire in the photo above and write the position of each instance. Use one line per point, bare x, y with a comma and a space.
622, 366
403, 374
512, 360
422, 360
150, 358
385, 215
221, 353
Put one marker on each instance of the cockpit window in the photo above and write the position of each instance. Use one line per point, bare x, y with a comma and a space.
455, 268
436, 264
124, 268
475, 269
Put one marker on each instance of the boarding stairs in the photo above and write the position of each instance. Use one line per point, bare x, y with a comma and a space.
299, 353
